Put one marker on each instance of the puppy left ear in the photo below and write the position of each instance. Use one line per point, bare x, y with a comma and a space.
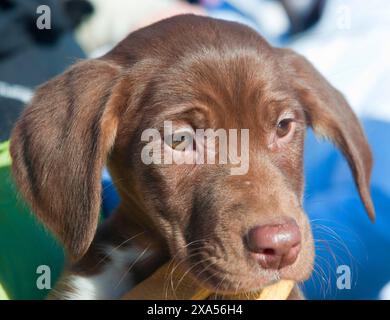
330, 116
60, 144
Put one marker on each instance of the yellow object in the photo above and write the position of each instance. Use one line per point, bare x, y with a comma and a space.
170, 282
3, 295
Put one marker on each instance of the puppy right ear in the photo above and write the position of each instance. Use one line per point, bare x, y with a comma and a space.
330, 115
59, 146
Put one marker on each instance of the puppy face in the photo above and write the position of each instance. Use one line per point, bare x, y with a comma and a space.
203, 210
197, 73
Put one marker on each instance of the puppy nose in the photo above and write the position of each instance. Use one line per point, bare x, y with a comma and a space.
275, 246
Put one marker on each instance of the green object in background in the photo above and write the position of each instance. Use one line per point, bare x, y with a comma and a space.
24, 243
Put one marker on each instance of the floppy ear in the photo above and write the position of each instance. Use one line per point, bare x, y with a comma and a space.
59, 146
330, 116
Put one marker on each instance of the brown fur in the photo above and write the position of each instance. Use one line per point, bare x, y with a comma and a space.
210, 74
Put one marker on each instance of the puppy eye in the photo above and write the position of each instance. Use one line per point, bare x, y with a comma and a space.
180, 140
284, 127
284, 131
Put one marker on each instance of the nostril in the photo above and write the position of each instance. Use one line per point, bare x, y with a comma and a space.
268, 251
274, 246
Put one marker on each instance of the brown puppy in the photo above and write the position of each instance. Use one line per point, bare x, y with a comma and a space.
233, 232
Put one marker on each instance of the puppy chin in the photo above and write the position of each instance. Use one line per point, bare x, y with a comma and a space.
255, 280
248, 282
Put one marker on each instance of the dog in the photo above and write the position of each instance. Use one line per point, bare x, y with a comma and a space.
234, 233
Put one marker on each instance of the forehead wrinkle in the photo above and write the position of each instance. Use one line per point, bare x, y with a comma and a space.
224, 83
198, 116
241, 90
227, 68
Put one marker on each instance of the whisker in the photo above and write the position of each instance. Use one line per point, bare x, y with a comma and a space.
107, 254
189, 270
132, 265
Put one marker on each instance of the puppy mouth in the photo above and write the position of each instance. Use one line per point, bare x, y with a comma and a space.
228, 268
230, 278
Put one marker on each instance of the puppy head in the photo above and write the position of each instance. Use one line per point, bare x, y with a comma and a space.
196, 73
